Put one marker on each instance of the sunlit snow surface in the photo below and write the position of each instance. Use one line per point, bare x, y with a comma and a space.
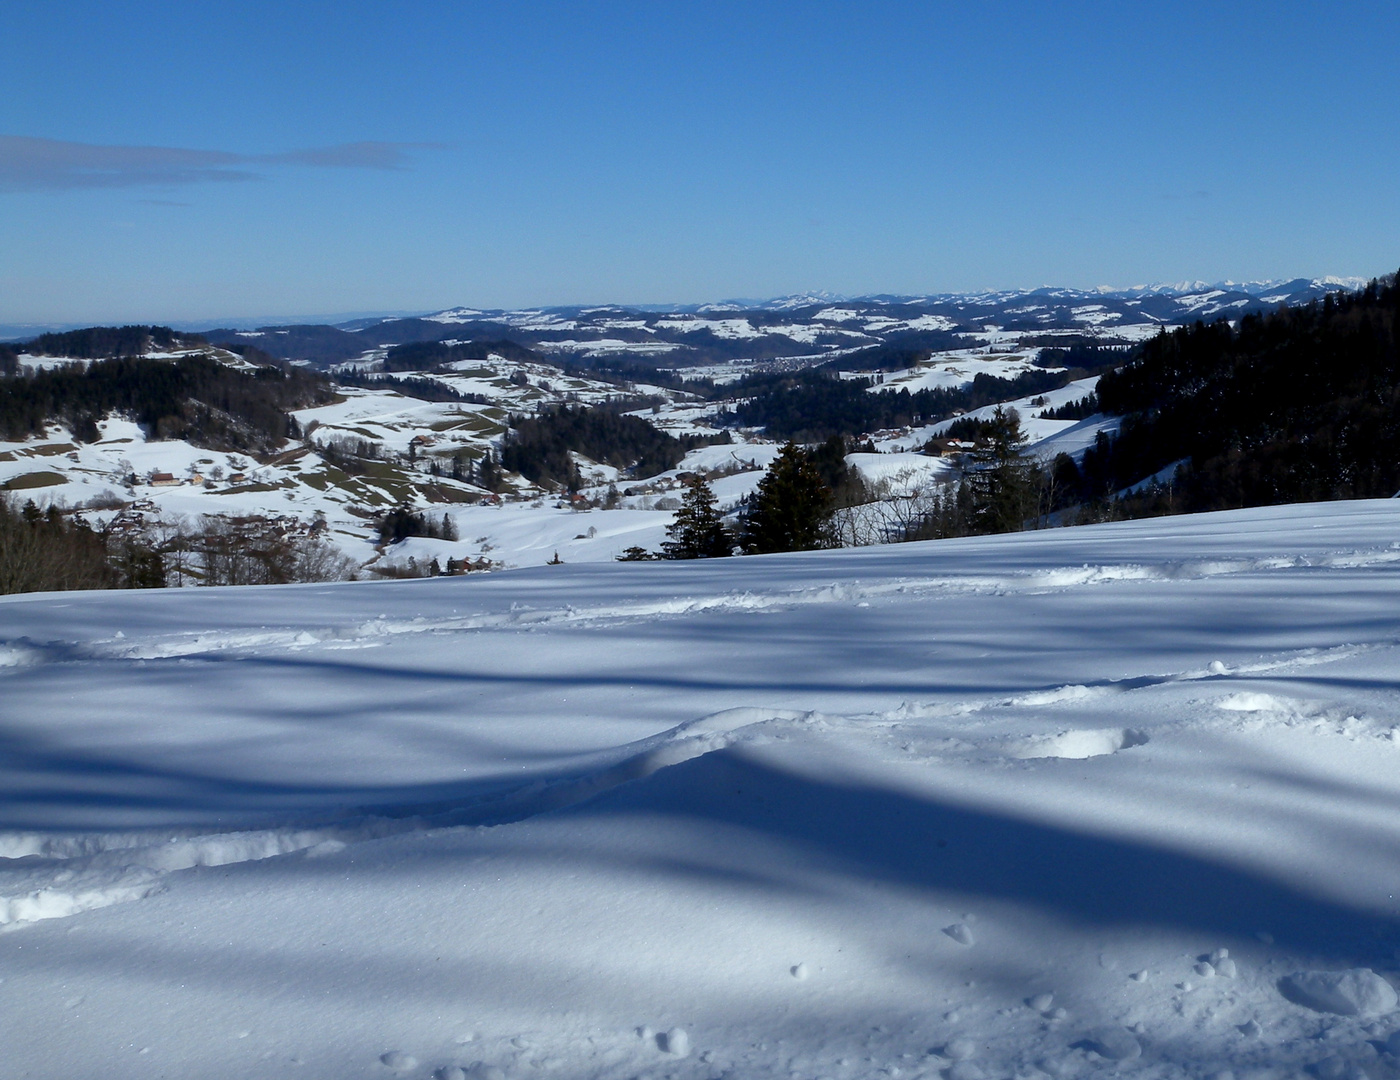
1054, 804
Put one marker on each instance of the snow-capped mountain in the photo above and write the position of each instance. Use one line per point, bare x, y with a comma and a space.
811, 325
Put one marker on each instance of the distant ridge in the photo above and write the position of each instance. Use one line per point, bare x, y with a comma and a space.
1167, 303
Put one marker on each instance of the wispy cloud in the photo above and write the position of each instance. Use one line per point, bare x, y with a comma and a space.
356, 155
34, 164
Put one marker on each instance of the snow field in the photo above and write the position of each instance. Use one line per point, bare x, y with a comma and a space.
1112, 800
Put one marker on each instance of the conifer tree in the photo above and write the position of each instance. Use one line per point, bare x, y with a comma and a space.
1001, 482
790, 509
698, 532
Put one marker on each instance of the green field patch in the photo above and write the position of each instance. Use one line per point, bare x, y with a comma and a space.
382, 470
249, 487
441, 493
472, 422
333, 475
51, 449
26, 481
369, 495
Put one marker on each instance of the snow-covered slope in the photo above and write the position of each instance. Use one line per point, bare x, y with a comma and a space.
1049, 804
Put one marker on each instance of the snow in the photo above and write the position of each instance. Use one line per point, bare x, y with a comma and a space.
883, 324
612, 346
1360, 992
1074, 437
1002, 800
900, 472
1045, 438
946, 370
523, 534
732, 329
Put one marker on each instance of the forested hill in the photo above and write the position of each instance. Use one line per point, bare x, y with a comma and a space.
109, 342
195, 397
424, 355
1295, 406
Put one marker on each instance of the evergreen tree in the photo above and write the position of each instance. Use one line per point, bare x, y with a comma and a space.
698, 531
1001, 485
789, 511
488, 474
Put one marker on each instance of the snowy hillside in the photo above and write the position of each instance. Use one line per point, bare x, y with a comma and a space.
376, 446
1110, 800
127, 477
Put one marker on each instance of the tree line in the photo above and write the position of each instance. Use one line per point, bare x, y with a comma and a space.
813, 405
195, 398
47, 550
426, 355
109, 342
539, 447
1298, 405
809, 498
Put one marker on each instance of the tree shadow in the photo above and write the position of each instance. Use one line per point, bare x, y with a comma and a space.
879, 834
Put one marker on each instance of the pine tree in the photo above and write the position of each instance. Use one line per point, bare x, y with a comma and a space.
488, 474
790, 509
698, 531
1001, 482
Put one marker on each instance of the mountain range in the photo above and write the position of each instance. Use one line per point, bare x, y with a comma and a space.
804, 325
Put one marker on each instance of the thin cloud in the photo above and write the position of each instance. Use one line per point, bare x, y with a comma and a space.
34, 164
357, 155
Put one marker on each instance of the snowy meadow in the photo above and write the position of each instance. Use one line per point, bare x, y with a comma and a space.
1115, 799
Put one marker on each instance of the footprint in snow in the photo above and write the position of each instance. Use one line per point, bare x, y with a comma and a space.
1114, 1044
398, 1060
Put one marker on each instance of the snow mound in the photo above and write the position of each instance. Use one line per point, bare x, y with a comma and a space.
1355, 992
1057, 696
1093, 742
1252, 701
961, 933
1068, 576
14, 654
49, 876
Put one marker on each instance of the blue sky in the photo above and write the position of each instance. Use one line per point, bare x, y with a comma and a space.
168, 162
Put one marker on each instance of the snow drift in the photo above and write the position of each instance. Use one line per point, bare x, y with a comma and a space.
1114, 797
